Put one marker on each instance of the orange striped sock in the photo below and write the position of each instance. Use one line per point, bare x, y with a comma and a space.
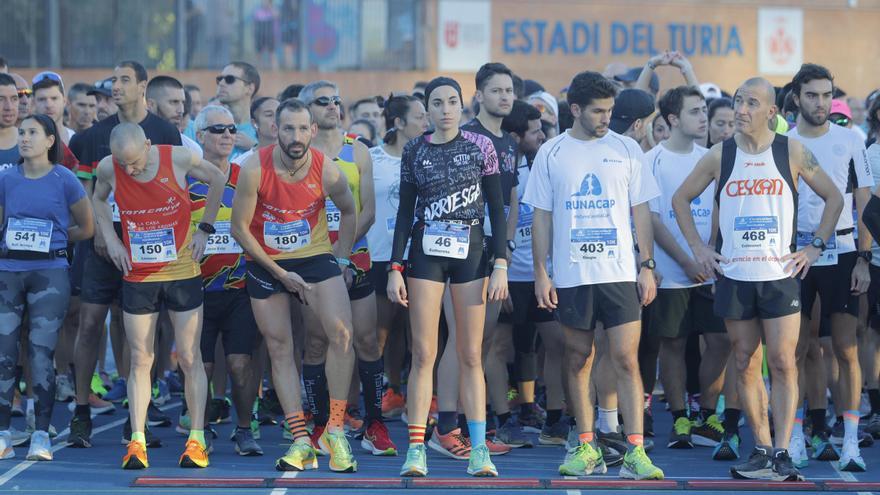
296, 422
636, 439
416, 434
337, 415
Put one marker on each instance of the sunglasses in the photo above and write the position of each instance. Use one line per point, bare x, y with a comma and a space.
230, 79
25, 92
220, 129
841, 121
323, 101
42, 76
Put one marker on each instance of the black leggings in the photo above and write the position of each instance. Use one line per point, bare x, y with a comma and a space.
44, 296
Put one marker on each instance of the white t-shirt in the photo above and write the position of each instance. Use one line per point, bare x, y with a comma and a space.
386, 185
240, 159
191, 144
521, 268
590, 187
873, 153
841, 153
670, 169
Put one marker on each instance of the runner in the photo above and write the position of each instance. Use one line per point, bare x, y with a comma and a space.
9, 99
406, 119
102, 281
263, 119
165, 98
81, 106
48, 91
353, 158
587, 204
278, 218
452, 174
684, 298
237, 85
33, 268
158, 258
228, 312
25, 96
841, 273
756, 173
722, 123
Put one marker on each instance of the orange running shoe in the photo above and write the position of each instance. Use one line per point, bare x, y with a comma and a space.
452, 444
136, 457
194, 455
393, 404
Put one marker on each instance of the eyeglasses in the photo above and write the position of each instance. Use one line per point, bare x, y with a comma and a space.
220, 129
25, 92
323, 101
230, 79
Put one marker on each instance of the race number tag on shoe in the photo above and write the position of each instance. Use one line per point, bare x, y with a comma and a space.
222, 242
449, 240
523, 236
594, 245
287, 237
152, 246
333, 216
755, 233
114, 208
29, 234
827, 257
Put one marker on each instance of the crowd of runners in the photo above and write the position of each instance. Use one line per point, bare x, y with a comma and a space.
512, 269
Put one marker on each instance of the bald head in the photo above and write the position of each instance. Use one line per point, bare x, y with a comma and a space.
762, 88
125, 137
20, 82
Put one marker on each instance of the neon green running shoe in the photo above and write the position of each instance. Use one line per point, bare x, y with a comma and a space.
98, 387
341, 460
637, 466
299, 457
583, 460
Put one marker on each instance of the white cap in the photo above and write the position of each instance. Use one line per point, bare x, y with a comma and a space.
710, 90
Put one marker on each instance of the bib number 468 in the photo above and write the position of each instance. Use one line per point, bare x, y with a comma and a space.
754, 235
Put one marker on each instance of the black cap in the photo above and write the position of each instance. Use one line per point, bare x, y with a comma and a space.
102, 87
633, 74
442, 81
629, 106
530, 87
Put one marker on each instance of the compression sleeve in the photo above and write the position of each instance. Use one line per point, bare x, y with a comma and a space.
494, 198
871, 216
403, 224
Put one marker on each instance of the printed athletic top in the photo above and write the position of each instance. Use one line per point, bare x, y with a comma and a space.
289, 219
155, 219
223, 266
360, 252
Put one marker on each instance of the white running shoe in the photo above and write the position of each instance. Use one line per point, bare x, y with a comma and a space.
798, 452
41, 447
851, 458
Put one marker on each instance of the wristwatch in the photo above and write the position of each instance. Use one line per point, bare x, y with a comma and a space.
207, 228
866, 255
649, 263
818, 243
511, 245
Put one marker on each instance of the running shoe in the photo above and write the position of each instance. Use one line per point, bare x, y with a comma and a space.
707, 432
728, 448
416, 465
783, 468
41, 447
219, 411
837, 433
245, 444
64, 388
184, 423
638, 466
6, 450
531, 422
341, 460
118, 392
873, 426
255, 426
265, 415
452, 444
798, 452
136, 457
97, 405
31, 425
511, 434
496, 446
612, 445
20, 437
299, 457
353, 422
851, 459
155, 417
759, 466
680, 437
152, 440
376, 439
194, 455
480, 462
315, 438
80, 432
393, 404
97, 385
161, 393
823, 449
584, 460
554, 434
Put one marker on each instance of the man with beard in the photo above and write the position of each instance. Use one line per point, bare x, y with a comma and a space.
841, 274
279, 219
165, 98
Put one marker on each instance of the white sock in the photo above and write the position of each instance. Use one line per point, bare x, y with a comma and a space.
608, 420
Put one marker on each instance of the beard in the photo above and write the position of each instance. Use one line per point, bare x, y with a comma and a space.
815, 121
292, 153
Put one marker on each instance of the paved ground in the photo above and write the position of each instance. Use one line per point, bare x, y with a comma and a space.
526, 471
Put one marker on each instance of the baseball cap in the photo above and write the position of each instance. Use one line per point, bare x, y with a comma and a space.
547, 100
710, 90
103, 87
629, 106
840, 106
47, 74
633, 74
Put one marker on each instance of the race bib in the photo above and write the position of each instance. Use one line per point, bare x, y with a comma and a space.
828, 257
287, 237
114, 208
449, 240
333, 216
594, 245
523, 235
152, 246
755, 233
29, 234
222, 242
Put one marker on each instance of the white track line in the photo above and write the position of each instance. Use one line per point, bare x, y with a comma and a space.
845, 476
21, 466
283, 491
572, 492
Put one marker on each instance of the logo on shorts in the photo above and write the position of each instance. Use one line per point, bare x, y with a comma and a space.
590, 186
795, 303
